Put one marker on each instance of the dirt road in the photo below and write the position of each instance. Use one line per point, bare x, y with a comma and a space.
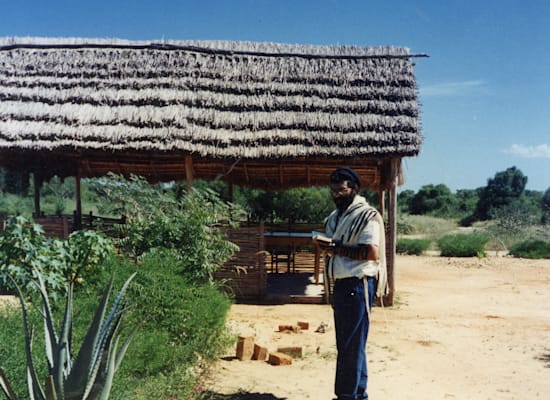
460, 329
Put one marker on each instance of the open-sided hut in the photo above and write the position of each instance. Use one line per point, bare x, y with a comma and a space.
263, 115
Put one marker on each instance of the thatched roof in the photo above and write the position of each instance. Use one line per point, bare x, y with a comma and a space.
216, 100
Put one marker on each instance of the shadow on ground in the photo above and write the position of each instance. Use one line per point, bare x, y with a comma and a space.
545, 358
240, 396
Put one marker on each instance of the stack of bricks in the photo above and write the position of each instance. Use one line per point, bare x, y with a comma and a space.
247, 349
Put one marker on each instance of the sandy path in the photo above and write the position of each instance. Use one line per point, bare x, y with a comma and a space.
460, 329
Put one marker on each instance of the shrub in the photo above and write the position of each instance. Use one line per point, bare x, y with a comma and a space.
182, 325
412, 246
189, 227
88, 375
462, 245
25, 250
426, 225
534, 249
404, 228
12, 344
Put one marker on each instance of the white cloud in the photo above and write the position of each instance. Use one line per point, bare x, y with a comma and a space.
451, 88
520, 150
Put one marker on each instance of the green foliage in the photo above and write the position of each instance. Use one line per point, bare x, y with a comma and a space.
182, 325
84, 251
56, 193
12, 345
545, 200
463, 245
404, 227
13, 182
11, 204
404, 199
189, 227
25, 250
435, 200
309, 205
425, 225
504, 189
535, 249
412, 246
510, 221
90, 374
466, 200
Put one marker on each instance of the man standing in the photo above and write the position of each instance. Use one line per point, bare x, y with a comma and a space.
357, 265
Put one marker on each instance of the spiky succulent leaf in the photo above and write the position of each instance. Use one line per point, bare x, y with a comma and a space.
115, 359
6, 387
90, 367
78, 377
35, 390
49, 330
51, 393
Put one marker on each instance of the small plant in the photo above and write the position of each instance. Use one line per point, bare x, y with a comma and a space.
535, 249
90, 374
25, 250
189, 227
412, 246
462, 245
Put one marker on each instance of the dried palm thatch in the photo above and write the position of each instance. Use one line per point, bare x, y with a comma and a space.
206, 99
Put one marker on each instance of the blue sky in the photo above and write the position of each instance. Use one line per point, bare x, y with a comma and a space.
484, 91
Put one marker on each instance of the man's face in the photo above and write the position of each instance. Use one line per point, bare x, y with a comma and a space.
342, 194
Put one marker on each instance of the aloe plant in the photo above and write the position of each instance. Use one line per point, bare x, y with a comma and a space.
89, 376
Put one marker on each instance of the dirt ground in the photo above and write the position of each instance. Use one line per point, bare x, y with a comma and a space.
459, 329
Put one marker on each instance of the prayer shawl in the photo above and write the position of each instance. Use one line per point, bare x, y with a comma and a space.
347, 229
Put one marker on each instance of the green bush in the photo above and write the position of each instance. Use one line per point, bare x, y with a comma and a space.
404, 228
534, 249
425, 225
25, 249
87, 373
182, 325
190, 227
462, 245
12, 345
412, 246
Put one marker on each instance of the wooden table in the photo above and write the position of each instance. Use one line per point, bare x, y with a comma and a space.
294, 240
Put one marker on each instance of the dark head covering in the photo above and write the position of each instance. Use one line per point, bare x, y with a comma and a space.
345, 174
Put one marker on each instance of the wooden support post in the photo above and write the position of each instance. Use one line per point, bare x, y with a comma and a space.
37, 183
189, 174
382, 202
391, 236
77, 223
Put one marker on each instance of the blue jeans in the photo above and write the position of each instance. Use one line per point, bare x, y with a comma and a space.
351, 323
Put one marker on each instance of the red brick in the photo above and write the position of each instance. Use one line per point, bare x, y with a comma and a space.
279, 359
303, 325
293, 351
245, 347
289, 328
260, 353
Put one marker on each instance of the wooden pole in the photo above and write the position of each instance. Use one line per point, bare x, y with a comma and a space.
391, 237
78, 215
382, 202
37, 183
189, 175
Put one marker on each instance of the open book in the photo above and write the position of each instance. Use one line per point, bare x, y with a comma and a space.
321, 237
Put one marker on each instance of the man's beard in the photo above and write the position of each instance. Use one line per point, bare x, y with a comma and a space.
343, 203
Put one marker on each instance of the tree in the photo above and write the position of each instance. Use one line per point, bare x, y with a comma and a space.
435, 200
404, 199
502, 190
545, 205
13, 182
467, 200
